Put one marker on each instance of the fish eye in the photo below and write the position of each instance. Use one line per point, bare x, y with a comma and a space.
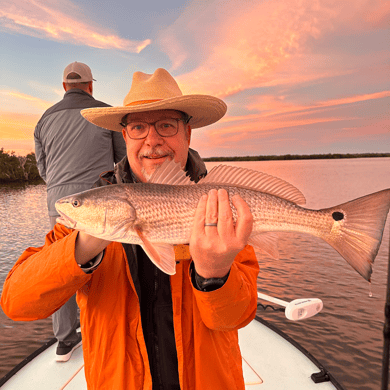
76, 203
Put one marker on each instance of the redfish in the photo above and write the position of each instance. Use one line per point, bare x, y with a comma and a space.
159, 214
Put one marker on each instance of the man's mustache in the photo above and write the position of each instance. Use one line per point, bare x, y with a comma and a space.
156, 153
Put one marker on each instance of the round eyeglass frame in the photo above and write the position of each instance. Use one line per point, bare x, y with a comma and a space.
185, 121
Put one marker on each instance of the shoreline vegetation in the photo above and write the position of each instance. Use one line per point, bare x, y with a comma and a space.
329, 156
16, 169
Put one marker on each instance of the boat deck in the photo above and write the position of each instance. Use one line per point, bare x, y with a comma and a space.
271, 361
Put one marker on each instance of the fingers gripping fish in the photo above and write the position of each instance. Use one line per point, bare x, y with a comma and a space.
160, 214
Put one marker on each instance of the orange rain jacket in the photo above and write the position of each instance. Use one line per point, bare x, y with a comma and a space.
205, 323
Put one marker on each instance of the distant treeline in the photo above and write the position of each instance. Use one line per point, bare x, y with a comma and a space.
298, 157
24, 168
18, 168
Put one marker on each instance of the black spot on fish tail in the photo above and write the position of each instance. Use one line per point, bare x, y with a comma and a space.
338, 216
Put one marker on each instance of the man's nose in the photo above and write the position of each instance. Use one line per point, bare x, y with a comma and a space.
153, 137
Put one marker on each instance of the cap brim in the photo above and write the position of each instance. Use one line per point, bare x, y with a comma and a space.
203, 109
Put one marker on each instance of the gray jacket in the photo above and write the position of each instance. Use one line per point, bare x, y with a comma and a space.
71, 152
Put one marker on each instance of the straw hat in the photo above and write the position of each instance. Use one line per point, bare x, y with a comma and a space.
158, 91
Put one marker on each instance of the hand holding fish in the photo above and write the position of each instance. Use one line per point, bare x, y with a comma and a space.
213, 248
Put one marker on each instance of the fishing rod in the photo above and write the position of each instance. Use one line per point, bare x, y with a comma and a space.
386, 331
298, 309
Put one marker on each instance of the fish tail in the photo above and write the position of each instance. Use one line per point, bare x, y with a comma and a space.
358, 228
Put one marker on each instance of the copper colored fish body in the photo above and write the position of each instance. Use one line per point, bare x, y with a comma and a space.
160, 214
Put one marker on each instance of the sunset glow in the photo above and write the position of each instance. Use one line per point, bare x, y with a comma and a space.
41, 20
299, 76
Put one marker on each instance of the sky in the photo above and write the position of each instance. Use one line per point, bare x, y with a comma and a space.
298, 76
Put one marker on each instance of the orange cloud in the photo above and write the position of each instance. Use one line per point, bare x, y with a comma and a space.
16, 129
20, 147
43, 19
18, 102
17, 126
17, 132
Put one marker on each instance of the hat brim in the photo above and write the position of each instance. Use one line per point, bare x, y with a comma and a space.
203, 109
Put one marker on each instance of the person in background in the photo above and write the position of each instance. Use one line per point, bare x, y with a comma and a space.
142, 328
71, 153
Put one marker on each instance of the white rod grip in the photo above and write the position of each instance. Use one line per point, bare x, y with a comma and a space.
272, 299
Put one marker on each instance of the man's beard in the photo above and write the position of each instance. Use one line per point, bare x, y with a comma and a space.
146, 175
154, 153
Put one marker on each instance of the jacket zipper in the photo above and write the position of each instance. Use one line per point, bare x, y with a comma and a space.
156, 348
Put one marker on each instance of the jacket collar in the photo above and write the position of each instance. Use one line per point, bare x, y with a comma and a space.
76, 91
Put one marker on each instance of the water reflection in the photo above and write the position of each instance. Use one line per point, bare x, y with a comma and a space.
23, 223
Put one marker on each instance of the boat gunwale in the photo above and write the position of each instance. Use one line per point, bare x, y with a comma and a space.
27, 360
320, 366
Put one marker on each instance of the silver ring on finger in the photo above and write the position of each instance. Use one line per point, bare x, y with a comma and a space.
211, 224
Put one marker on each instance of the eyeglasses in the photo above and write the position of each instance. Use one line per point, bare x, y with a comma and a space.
164, 127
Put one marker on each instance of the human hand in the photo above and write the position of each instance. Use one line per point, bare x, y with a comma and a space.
87, 247
214, 248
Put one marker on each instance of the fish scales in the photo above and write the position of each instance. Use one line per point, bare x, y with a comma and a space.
165, 213
160, 214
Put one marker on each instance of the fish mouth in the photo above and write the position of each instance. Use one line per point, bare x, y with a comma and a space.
66, 221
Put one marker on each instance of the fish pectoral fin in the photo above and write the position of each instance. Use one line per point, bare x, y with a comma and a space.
267, 242
161, 255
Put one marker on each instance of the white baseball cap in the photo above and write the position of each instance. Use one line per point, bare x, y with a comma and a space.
79, 68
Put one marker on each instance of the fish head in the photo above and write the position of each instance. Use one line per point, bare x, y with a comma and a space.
100, 212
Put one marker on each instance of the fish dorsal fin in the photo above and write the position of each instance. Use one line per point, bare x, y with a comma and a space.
254, 180
171, 173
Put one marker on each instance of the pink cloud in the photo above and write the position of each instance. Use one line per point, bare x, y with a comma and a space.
271, 105
253, 41
255, 44
57, 21
366, 131
378, 15
321, 135
282, 124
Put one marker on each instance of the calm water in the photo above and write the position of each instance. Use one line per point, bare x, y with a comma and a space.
346, 336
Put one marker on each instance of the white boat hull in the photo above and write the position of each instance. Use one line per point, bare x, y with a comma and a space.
270, 362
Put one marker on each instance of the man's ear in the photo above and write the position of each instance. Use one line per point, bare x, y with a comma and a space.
124, 134
64, 85
189, 131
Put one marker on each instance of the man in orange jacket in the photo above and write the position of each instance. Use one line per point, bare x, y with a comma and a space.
143, 329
